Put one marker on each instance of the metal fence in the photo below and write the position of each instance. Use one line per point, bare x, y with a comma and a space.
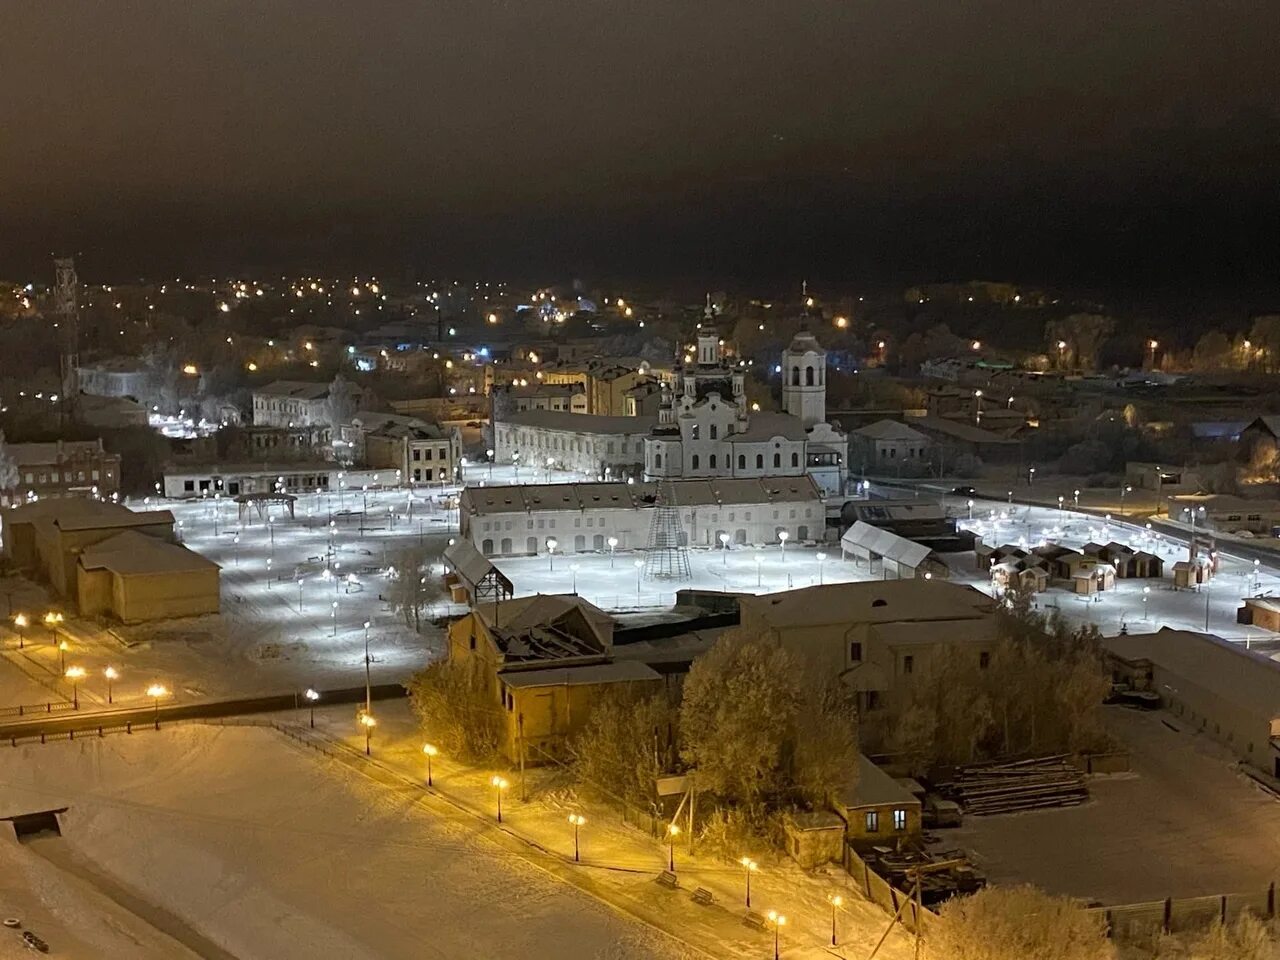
1137, 920
36, 709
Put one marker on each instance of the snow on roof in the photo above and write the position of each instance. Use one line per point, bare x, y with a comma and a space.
470, 563
889, 430
136, 554
1240, 677
508, 619
885, 543
623, 671
872, 787
523, 498
882, 601
580, 422
767, 426
74, 513
294, 389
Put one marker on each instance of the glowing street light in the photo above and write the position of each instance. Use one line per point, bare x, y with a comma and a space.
1126, 488
551, 553
111, 674
155, 692
235, 542
499, 784
429, 750
63, 647
75, 675
368, 721
21, 621
1146, 591
821, 558
724, 545
639, 565
778, 921
673, 831
333, 615
577, 820
1061, 501
312, 696
1076, 495
750, 867
836, 901
782, 538
969, 504
613, 545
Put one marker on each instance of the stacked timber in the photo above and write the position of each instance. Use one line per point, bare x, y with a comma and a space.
1022, 785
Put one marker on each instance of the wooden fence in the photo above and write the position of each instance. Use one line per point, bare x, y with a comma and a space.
1136, 920
888, 897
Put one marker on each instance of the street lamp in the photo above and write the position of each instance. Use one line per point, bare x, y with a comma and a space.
577, 820
673, 831
312, 696
429, 750
62, 655
368, 687
368, 721
551, 462
299, 595
75, 675
111, 674
499, 784
639, 565
1031, 476
1061, 500
235, 544
490, 453
1076, 495
155, 692
613, 545
778, 921
782, 538
724, 545
1126, 488
759, 559
21, 621
835, 900
333, 615
573, 568
1145, 593
551, 553
970, 505
820, 557
750, 867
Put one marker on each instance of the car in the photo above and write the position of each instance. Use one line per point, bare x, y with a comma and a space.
964, 491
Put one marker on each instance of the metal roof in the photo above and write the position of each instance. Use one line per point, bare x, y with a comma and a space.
885, 543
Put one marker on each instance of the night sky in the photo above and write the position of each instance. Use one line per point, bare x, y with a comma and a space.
1128, 143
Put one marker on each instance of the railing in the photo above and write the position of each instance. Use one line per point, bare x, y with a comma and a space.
33, 709
885, 895
1138, 920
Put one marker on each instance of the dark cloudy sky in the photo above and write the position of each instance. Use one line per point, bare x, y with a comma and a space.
1076, 141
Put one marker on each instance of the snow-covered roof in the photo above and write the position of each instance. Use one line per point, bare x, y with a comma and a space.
469, 563
872, 787
524, 498
879, 601
135, 554
885, 543
76, 513
579, 422
889, 430
767, 426
294, 389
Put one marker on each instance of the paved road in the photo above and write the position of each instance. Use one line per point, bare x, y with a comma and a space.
143, 716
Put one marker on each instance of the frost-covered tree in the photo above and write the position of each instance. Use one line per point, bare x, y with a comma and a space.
8, 468
410, 588
456, 709
1016, 923
625, 743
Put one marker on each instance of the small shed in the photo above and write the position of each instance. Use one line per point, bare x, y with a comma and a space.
899, 557
877, 809
814, 838
480, 580
1191, 573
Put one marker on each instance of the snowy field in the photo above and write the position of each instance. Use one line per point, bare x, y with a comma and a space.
314, 861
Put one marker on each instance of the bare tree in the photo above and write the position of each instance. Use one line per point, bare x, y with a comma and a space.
9, 476
1017, 923
411, 588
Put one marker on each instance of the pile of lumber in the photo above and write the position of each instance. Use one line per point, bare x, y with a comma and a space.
1021, 785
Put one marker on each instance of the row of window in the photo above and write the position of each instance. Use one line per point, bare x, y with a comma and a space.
891, 453
908, 660
66, 476
695, 461
873, 821
542, 440
424, 453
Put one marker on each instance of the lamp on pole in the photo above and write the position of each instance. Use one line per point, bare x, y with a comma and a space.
368, 687
759, 559
429, 750
75, 675
778, 921
969, 504
1031, 476
821, 557
1125, 488
499, 784
1076, 495
639, 565
490, 453
62, 655
749, 866
551, 554
155, 692
835, 900
1146, 592
21, 621
613, 545
783, 536
724, 545
111, 674
299, 595
368, 721
235, 549
312, 696
577, 820
673, 831
573, 568
1061, 501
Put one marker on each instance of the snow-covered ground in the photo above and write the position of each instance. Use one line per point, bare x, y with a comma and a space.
270, 849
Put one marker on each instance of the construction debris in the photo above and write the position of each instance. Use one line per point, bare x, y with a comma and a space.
1022, 785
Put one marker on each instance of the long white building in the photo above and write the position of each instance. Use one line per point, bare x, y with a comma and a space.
605, 447
521, 519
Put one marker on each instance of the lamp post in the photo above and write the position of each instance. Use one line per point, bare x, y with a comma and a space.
821, 557
724, 545
573, 568
111, 674
1031, 476
613, 545
515, 463
312, 696
759, 559
551, 554
62, 655
490, 453
577, 820
333, 616
429, 750
155, 692
235, 549
268, 573
551, 462
1061, 501
673, 831
783, 536
1010, 498
21, 621
835, 900
639, 565
1076, 497
1124, 488
778, 921
368, 687
299, 595
1146, 591
499, 784
969, 504
75, 675
368, 721
749, 866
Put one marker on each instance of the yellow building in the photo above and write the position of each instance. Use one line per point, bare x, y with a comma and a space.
548, 657
132, 577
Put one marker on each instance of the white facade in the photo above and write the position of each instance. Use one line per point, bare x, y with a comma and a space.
288, 403
705, 430
596, 446
232, 480
517, 520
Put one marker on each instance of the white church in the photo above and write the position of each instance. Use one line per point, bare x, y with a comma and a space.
705, 429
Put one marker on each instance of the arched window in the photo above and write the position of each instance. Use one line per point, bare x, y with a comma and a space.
777, 459
795, 376
795, 459
759, 461
695, 461
742, 461
657, 460
713, 461
808, 376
